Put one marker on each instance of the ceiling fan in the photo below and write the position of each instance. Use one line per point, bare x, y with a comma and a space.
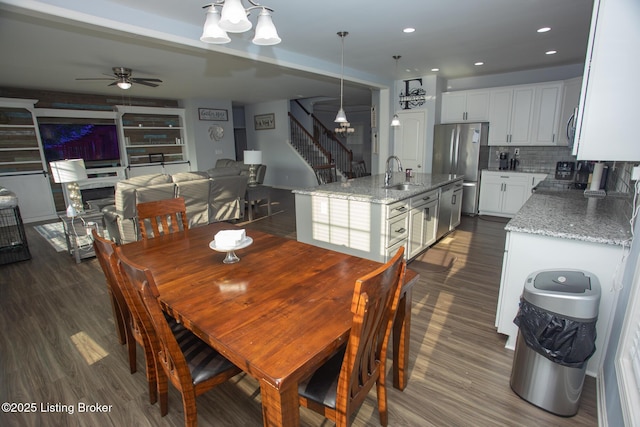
122, 78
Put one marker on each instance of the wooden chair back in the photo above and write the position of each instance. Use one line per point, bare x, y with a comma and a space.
162, 217
133, 332
359, 169
326, 173
103, 249
374, 303
208, 368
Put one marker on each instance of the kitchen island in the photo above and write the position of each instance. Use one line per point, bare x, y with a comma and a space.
366, 218
565, 230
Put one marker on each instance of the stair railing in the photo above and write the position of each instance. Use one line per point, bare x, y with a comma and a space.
308, 146
342, 155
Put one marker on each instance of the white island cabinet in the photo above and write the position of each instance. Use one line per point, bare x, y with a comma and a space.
557, 231
360, 217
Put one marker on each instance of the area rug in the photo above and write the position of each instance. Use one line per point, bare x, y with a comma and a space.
54, 234
436, 260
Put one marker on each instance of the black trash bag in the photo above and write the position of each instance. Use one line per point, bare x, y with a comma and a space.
562, 340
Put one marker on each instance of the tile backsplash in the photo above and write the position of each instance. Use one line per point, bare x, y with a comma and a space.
544, 159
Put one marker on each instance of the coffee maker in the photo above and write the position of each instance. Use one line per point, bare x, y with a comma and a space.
504, 160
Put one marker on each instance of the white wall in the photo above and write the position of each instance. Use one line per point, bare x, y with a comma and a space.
203, 152
285, 167
609, 375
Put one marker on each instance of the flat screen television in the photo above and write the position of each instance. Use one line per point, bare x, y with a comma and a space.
96, 144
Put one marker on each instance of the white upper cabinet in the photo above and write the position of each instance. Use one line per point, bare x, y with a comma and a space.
611, 87
570, 100
465, 106
546, 118
511, 115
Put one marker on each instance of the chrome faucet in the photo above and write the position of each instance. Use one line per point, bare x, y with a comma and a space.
388, 172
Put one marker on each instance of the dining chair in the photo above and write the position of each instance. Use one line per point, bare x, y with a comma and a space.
132, 331
118, 305
359, 169
338, 388
192, 366
162, 217
326, 173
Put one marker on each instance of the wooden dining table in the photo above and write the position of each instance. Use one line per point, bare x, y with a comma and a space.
278, 313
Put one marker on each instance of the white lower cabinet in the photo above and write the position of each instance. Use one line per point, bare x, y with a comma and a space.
503, 194
423, 222
397, 223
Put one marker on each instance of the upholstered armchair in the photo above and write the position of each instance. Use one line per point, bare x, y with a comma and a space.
120, 219
261, 170
194, 188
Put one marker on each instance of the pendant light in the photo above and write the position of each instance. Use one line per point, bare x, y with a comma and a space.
395, 122
341, 117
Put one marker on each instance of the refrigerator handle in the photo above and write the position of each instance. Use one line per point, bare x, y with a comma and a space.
457, 153
452, 159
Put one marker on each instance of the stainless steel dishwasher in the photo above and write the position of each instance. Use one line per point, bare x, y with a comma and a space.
444, 214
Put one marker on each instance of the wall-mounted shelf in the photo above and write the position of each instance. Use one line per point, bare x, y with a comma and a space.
19, 146
152, 135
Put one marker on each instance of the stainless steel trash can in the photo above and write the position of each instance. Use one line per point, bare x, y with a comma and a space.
569, 295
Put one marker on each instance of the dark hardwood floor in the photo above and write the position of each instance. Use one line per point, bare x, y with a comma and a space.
58, 347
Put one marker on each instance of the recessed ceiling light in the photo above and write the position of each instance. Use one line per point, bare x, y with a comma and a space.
544, 29
435, 69
551, 52
479, 63
408, 30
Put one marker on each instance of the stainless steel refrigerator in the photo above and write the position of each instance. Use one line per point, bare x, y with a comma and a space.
462, 149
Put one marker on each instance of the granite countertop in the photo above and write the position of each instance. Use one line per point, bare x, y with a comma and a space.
370, 188
571, 215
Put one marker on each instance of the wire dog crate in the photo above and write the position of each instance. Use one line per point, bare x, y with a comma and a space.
13, 240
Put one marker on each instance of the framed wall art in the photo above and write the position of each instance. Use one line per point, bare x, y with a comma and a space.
213, 114
264, 121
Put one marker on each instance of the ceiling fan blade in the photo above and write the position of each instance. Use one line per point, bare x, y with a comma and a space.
141, 79
94, 78
143, 82
113, 84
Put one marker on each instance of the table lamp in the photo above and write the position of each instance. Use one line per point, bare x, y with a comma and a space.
253, 158
68, 173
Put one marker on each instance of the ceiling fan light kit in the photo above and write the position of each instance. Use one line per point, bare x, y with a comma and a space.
234, 18
124, 84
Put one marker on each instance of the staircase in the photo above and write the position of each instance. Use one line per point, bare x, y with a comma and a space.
322, 147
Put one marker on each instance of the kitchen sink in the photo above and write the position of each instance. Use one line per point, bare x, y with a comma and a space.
403, 186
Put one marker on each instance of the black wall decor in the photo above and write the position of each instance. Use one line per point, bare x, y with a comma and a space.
412, 97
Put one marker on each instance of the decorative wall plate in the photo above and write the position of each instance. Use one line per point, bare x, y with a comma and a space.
216, 132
